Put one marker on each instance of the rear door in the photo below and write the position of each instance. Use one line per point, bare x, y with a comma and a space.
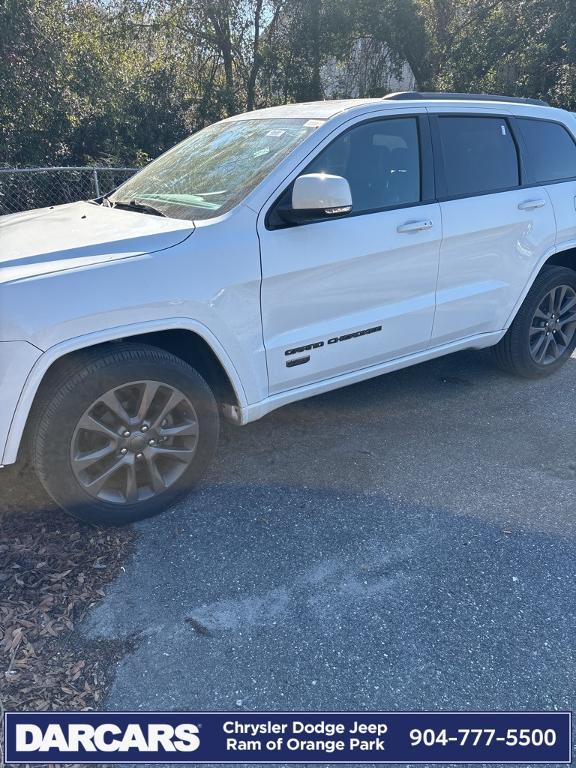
344, 294
551, 161
495, 230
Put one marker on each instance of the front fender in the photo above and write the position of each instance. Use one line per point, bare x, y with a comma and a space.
17, 360
22, 378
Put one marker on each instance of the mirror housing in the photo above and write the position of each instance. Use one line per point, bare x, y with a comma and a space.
318, 196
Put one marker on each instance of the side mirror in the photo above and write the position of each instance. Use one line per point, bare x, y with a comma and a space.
318, 196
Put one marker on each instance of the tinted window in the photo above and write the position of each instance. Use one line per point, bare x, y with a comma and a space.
381, 161
551, 150
479, 155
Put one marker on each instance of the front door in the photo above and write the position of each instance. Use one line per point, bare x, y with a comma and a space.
345, 294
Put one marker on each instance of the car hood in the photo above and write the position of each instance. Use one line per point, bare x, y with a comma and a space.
79, 235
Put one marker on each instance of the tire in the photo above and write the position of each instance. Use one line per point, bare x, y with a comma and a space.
518, 351
78, 434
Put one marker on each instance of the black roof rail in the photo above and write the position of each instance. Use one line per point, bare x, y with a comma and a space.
432, 95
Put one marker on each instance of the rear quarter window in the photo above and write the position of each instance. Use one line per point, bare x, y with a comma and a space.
551, 150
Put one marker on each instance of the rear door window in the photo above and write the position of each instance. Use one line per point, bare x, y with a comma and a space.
479, 155
551, 150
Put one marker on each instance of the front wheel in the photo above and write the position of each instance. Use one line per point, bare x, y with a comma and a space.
119, 434
543, 334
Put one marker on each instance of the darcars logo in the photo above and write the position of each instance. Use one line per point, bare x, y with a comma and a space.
107, 737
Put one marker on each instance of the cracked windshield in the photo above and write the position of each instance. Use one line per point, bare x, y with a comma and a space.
209, 173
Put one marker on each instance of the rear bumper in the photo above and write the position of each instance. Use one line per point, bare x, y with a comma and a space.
17, 359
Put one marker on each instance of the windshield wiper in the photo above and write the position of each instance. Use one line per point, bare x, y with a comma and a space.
134, 205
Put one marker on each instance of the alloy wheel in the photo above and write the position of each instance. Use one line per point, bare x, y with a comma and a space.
553, 325
134, 442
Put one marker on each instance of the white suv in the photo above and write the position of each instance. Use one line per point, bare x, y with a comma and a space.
274, 256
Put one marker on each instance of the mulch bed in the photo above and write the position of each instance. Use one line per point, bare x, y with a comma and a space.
52, 570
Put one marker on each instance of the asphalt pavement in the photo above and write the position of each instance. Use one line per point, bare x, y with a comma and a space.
405, 543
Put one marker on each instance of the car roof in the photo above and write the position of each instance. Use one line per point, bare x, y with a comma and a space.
321, 110
324, 110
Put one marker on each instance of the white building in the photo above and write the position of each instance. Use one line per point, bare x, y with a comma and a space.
369, 71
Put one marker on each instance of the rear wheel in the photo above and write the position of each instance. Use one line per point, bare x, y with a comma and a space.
543, 334
119, 434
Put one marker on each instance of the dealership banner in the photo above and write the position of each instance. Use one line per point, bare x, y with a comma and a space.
287, 737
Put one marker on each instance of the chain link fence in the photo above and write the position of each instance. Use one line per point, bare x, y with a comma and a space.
22, 189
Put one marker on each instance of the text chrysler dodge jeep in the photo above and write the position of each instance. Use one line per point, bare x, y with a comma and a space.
273, 256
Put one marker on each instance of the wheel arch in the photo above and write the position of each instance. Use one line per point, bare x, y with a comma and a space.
564, 257
194, 344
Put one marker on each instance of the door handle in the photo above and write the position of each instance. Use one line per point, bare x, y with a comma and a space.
414, 226
529, 205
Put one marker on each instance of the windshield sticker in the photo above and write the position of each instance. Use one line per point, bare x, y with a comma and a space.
276, 132
313, 123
